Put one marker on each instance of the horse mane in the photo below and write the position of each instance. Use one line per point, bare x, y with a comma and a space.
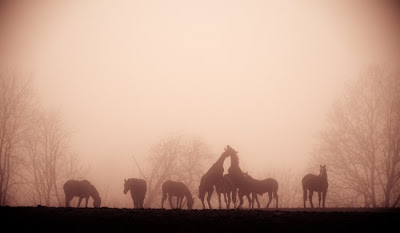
234, 159
94, 193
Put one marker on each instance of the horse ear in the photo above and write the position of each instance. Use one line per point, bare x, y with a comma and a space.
125, 180
320, 165
225, 148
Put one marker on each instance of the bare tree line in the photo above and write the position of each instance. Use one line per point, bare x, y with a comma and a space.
360, 145
35, 155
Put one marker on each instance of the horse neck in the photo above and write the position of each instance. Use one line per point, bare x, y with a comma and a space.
94, 194
187, 194
234, 160
220, 161
323, 177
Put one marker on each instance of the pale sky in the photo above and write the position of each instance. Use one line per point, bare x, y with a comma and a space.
257, 75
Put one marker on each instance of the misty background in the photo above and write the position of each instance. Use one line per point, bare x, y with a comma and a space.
124, 77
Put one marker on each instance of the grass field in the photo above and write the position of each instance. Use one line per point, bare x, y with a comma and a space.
47, 219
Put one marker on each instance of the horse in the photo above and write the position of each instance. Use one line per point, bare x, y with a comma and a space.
178, 189
315, 183
138, 188
227, 188
259, 187
81, 189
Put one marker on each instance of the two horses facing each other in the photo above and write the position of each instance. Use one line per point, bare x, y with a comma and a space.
81, 189
176, 189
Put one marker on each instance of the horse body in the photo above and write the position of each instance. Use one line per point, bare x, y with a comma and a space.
211, 178
81, 189
314, 183
178, 189
227, 188
258, 187
138, 188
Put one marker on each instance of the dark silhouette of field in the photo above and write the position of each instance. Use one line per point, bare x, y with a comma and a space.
45, 219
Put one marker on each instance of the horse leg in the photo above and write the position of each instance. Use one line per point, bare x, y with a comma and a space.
276, 198
227, 199
256, 197
79, 202
234, 194
304, 196
323, 199
162, 199
170, 201
178, 198
269, 199
249, 199
228, 204
67, 200
240, 195
202, 201
252, 200
319, 199
87, 200
219, 199
210, 192
180, 202
310, 198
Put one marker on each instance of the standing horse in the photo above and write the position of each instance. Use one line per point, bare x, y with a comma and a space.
138, 188
81, 189
214, 174
259, 187
227, 188
315, 183
179, 190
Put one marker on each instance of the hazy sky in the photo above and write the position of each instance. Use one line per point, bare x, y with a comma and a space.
258, 75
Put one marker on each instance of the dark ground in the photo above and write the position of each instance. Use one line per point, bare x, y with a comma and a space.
45, 219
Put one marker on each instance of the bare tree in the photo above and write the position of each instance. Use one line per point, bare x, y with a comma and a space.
289, 189
16, 108
50, 162
361, 144
174, 158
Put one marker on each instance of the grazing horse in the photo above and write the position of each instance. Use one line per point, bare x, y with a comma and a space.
179, 190
211, 178
259, 187
226, 187
138, 188
315, 183
81, 189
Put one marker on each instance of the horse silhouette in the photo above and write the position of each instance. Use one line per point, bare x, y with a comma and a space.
314, 183
81, 189
179, 190
228, 189
259, 187
214, 175
138, 188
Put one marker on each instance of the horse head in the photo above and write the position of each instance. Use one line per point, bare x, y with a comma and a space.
229, 151
126, 186
322, 170
190, 202
97, 202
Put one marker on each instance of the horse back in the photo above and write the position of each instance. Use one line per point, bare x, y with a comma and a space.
79, 188
139, 185
174, 188
314, 183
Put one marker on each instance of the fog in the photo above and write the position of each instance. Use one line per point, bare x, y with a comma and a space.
257, 75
